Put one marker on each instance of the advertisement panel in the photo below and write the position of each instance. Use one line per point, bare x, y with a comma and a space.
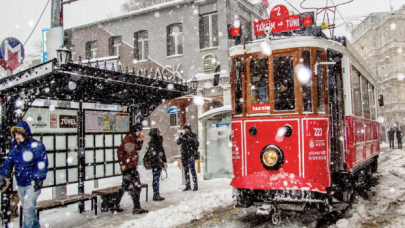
106, 121
43, 120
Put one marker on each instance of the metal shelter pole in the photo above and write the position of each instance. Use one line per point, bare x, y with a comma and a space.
81, 159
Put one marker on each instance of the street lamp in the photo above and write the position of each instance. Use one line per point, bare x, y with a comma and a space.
194, 85
64, 55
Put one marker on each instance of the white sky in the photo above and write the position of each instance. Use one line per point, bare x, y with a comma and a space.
18, 17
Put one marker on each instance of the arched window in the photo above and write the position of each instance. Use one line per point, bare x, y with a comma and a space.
174, 39
141, 49
213, 104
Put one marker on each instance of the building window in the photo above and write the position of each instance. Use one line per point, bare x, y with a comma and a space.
115, 44
213, 104
174, 120
246, 28
209, 30
174, 39
73, 48
91, 49
141, 45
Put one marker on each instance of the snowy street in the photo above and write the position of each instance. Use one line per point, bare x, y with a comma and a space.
178, 208
212, 205
381, 206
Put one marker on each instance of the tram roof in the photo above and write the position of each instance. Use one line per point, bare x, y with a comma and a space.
285, 42
81, 83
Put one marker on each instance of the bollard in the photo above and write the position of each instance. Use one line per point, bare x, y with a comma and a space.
198, 166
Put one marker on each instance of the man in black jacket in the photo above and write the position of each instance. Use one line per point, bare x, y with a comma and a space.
189, 146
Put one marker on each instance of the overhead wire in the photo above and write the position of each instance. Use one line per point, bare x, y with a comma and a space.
351, 31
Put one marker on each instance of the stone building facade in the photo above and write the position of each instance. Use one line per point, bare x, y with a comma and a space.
380, 39
177, 39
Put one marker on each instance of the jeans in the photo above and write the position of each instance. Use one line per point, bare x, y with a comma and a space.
399, 143
28, 198
131, 176
189, 163
391, 143
156, 171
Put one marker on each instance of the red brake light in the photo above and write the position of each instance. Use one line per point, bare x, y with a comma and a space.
306, 19
233, 31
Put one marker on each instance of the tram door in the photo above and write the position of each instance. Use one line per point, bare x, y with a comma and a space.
336, 111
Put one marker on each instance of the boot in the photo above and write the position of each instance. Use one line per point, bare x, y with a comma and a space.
195, 188
161, 197
138, 211
156, 197
187, 188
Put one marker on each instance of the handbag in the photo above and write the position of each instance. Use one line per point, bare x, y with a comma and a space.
147, 160
196, 155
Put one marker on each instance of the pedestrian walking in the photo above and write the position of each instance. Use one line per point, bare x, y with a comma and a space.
398, 133
391, 134
128, 159
189, 145
158, 160
29, 159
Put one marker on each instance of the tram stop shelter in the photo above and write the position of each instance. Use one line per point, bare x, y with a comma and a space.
79, 155
216, 140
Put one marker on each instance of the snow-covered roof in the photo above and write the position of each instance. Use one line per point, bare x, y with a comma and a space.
137, 12
213, 112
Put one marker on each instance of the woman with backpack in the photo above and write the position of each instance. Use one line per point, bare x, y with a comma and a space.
158, 160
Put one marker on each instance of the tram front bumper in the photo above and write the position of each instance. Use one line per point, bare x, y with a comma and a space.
265, 180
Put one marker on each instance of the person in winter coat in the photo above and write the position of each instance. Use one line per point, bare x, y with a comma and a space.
391, 134
29, 159
189, 146
128, 159
398, 133
158, 160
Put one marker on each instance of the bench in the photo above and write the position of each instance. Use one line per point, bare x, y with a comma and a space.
108, 193
63, 201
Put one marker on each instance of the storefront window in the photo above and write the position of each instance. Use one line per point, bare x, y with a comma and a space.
284, 92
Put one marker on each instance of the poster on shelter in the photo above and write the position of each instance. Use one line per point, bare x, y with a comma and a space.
106, 121
43, 120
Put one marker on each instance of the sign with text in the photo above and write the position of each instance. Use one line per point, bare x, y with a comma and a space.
43, 120
67, 121
280, 21
173, 110
106, 121
257, 108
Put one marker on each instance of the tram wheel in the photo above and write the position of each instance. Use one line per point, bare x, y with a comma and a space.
276, 218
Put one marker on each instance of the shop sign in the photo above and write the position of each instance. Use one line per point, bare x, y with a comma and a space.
67, 121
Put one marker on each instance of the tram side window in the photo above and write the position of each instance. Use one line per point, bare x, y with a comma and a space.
238, 87
259, 81
284, 93
372, 101
359, 132
364, 91
375, 132
306, 88
319, 77
356, 92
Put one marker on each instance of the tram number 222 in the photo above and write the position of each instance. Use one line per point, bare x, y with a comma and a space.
318, 131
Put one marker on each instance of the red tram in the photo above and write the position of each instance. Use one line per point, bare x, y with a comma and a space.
300, 141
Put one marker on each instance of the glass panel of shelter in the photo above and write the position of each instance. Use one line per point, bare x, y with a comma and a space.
101, 155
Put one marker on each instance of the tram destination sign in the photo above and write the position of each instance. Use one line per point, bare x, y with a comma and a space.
280, 21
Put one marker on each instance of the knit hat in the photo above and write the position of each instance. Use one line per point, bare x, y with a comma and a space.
187, 126
136, 127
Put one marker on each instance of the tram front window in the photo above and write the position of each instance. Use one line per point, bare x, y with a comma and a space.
259, 84
284, 93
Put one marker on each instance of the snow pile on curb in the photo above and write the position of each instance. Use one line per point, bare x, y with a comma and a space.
185, 211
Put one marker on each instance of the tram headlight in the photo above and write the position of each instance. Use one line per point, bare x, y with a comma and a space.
272, 157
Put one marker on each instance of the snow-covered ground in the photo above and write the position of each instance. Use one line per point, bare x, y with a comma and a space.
385, 205
178, 208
